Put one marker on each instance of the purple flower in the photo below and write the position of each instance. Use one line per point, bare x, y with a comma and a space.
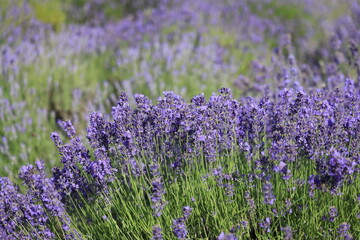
19, 209
43, 189
250, 201
69, 129
343, 231
179, 228
288, 206
269, 198
73, 178
187, 211
244, 224
287, 233
157, 197
265, 224
333, 213
224, 236
98, 133
157, 233
154, 170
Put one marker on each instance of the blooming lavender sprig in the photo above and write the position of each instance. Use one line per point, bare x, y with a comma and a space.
71, 180
157, 233
343, 231
333, 213
187, 212
269, 198
265, 224
21, 216
250, 201
43, 189
101, 169
179, 228
178, 225
157, 196
220, 178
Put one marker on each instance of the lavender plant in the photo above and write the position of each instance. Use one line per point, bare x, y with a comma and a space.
280, 159
175, 142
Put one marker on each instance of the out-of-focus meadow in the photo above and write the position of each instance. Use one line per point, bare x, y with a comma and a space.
64, 59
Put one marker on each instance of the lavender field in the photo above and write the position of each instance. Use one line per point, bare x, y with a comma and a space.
179, 119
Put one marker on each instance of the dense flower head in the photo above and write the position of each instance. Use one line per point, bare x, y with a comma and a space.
333, 213
69, 129
98, 131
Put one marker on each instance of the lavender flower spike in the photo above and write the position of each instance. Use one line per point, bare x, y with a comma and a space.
269, 198
179, 228
157, 234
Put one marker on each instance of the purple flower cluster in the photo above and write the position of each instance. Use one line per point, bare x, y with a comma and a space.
157, 233
27, 216
269, 198
265, 224
19, 211
334, 169
178, 225
158, 202
318, 126
72, 179
224, 180
181, 129
343, 231
43, 189
179, 228
224, 236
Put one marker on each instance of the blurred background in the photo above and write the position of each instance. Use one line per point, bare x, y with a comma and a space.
62, 60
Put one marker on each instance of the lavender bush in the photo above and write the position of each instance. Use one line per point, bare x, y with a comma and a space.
144, 157
274, 155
